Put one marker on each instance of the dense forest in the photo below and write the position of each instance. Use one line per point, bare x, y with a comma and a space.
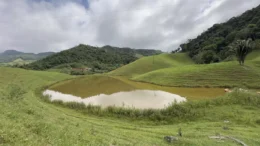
214, 44
97, 58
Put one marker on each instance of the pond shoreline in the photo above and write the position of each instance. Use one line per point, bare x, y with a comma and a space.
139, 99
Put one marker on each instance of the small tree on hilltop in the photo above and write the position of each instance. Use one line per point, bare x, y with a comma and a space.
243, 48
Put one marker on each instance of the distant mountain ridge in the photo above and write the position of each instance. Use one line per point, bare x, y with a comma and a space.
11, 52
99, 58
11, 55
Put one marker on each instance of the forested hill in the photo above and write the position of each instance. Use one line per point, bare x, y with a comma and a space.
212, 45
104, 58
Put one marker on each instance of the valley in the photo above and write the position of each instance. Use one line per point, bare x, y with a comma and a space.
203, 91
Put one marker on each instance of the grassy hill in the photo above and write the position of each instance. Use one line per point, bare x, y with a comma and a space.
225, 74
151, 63
26, 119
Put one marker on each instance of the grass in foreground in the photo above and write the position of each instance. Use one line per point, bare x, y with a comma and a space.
151, 63
26, 120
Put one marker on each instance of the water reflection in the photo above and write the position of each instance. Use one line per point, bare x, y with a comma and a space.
141, 99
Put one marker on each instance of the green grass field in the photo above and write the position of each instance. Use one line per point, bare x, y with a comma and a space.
224, 74
25, 119
151, 63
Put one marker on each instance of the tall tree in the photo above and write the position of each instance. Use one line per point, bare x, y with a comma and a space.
243, 47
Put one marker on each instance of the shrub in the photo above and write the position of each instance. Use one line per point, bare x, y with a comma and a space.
14, 92
75, 105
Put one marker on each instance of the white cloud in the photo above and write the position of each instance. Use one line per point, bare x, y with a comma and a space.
37, 26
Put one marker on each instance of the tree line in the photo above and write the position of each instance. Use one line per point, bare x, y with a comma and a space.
217, 43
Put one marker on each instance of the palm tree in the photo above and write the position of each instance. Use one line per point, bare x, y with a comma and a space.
243, 48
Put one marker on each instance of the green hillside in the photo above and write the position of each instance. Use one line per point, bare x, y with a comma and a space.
213, 44
105, 58
26, 119
151, 63
254, 56
225, 74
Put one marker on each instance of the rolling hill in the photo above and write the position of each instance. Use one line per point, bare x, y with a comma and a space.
224, 74
104, 58
45, 123
11, 55
151, 63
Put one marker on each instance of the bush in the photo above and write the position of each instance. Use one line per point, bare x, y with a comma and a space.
14, 92
77, 72
207, 57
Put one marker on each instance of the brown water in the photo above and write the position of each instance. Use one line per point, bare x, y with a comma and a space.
141, 99
93, 85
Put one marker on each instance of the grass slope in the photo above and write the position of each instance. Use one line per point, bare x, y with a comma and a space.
255, 55
151, 63
27, 120
225, 74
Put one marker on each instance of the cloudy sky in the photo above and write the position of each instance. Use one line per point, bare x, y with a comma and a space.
54, 25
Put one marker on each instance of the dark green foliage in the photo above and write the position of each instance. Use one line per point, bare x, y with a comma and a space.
243, 48
106, 58
220, 36
207, 56
77, 72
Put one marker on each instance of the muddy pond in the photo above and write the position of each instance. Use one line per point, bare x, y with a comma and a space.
119, 91
94, 85
141, 99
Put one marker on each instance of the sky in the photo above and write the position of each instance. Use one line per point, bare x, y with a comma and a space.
55, 25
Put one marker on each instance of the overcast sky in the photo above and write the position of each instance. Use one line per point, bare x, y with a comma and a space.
55, 25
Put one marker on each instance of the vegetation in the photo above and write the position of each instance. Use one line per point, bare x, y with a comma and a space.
102, 59
151, 63
32, 121
17, 63
11, 55
225, 74
213, 45
29, 118
243, 48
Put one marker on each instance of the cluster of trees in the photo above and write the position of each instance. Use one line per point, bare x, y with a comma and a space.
214, 44
98, 59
